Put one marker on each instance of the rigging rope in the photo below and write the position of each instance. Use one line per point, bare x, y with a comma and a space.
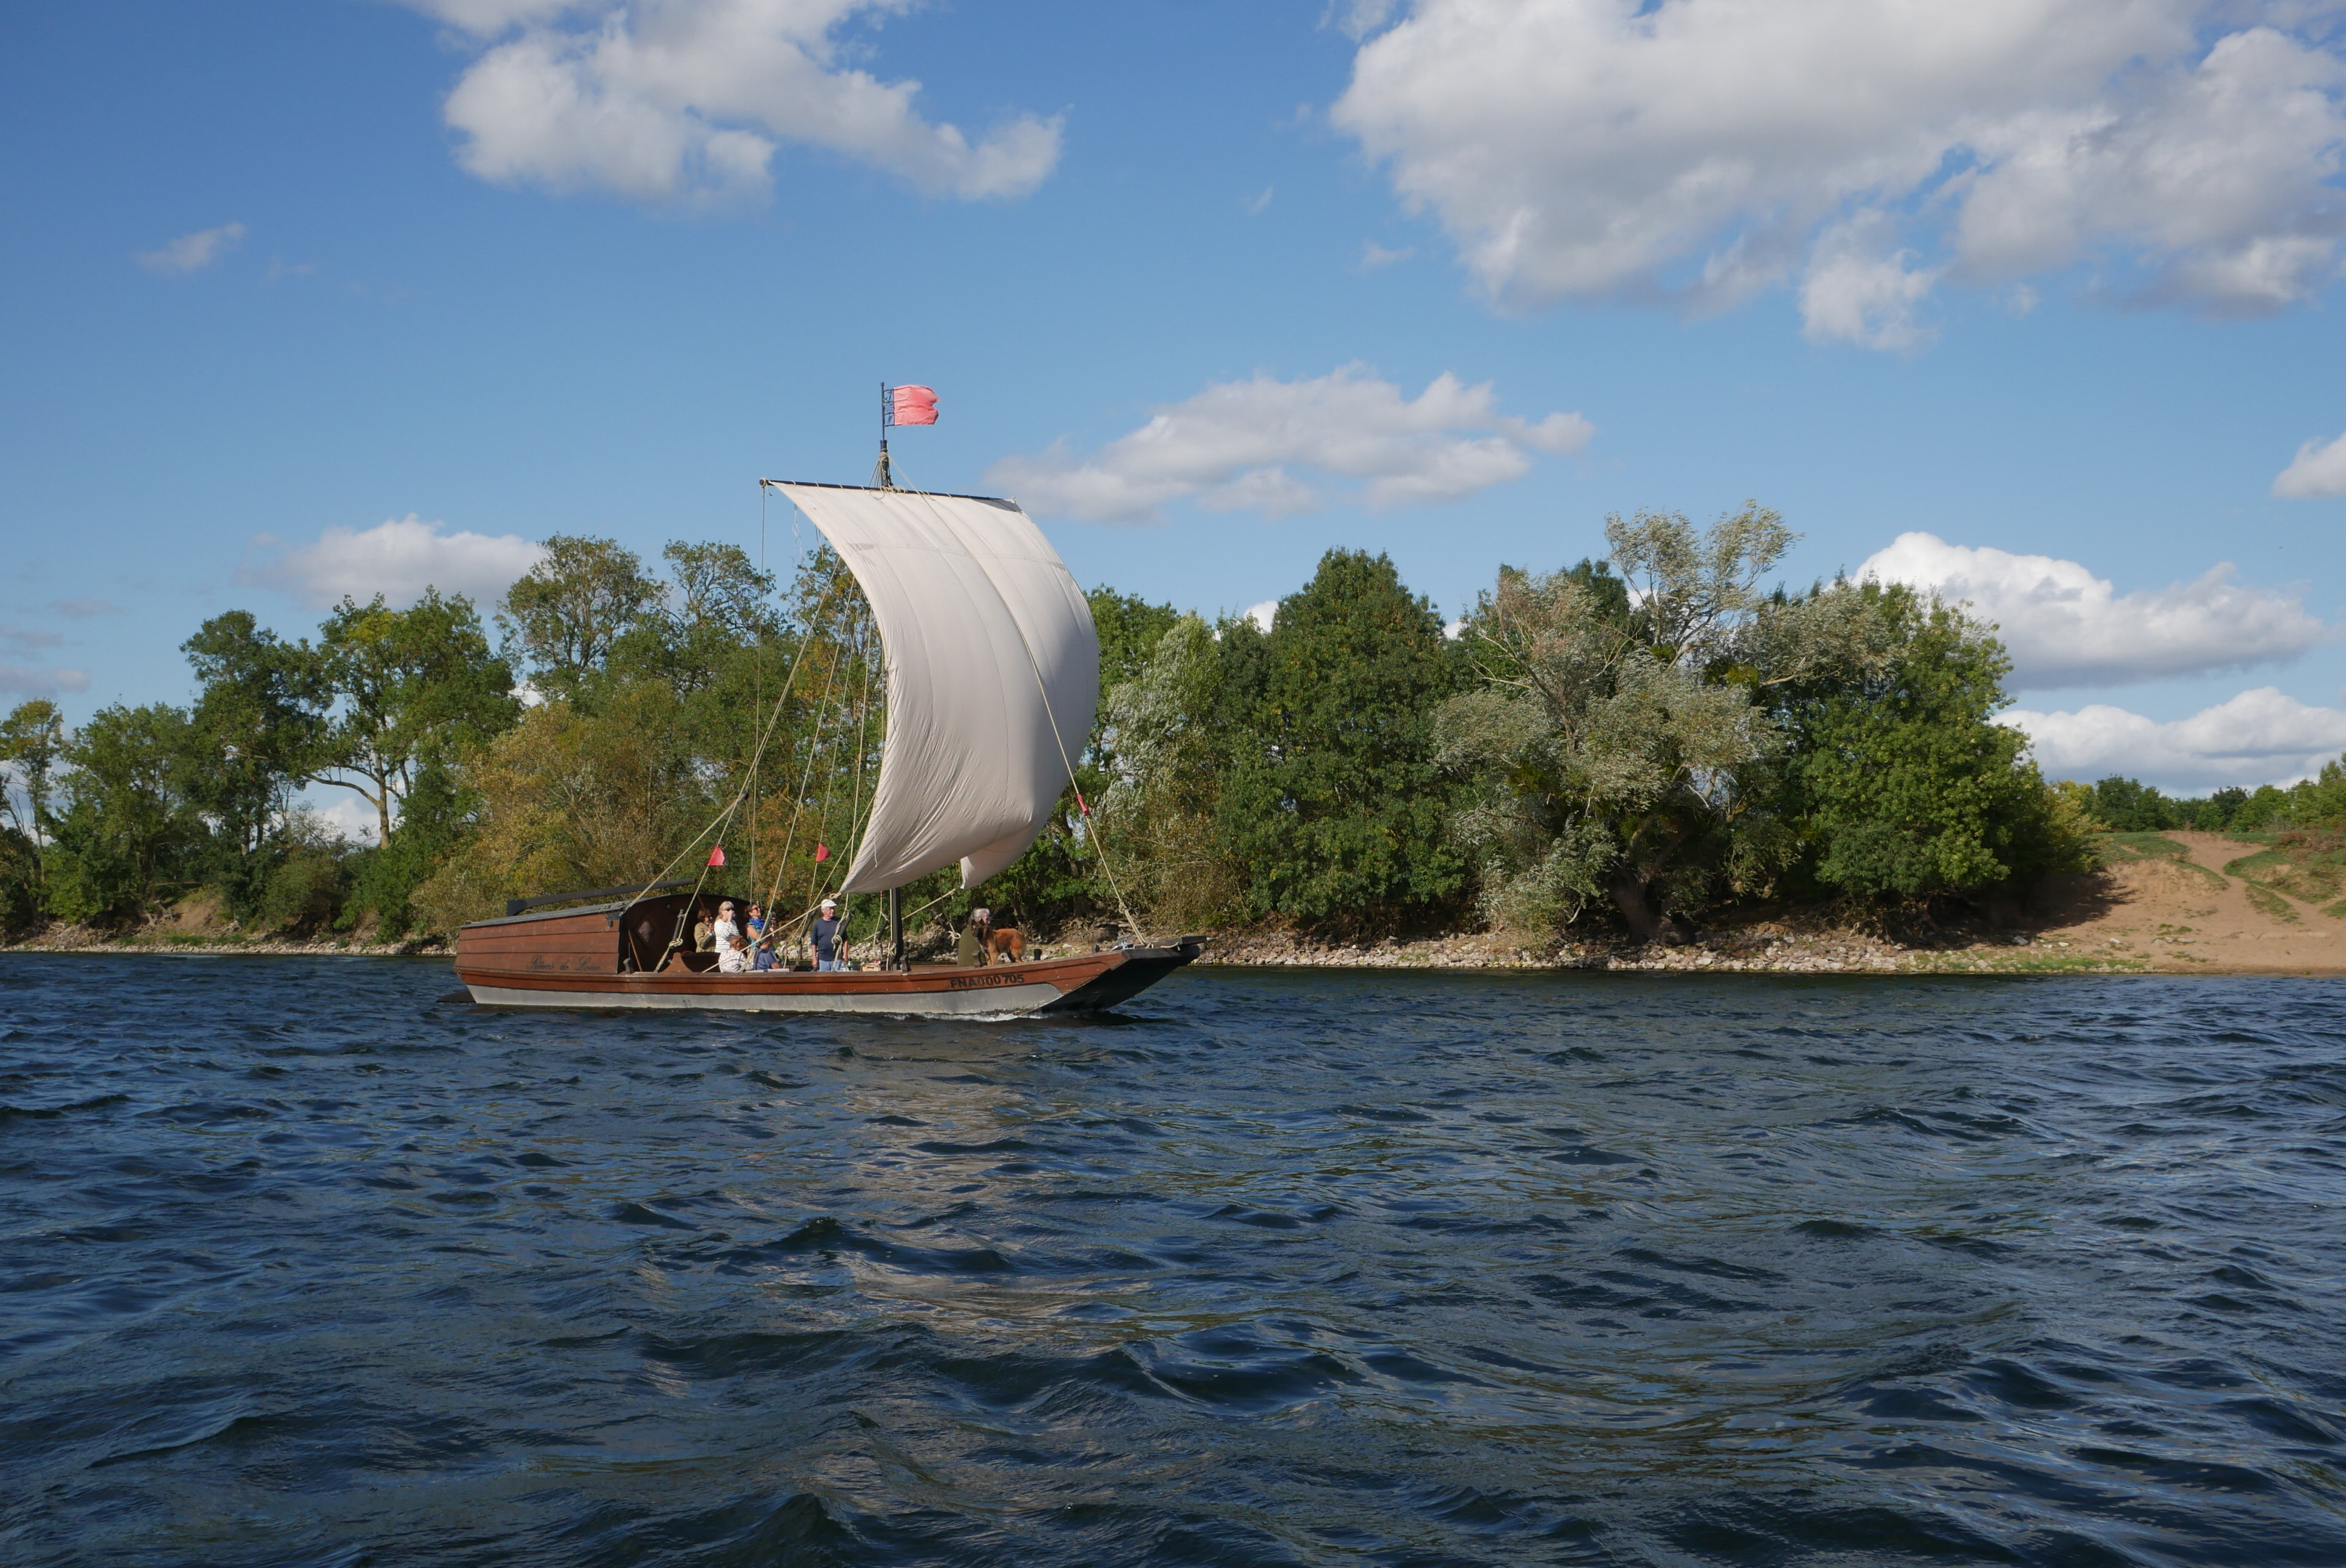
806, 778
717, 823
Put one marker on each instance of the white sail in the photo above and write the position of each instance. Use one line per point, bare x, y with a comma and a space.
993, 675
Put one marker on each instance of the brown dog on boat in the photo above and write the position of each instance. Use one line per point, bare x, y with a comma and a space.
1007, 945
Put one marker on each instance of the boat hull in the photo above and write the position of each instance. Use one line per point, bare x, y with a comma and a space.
577, 959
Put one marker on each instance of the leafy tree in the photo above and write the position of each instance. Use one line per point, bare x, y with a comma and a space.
2216, 812
1171, 733
717, 610
310, 877
2130, 806
1130, 628
128, 833
433, 823
1334, 805
23, 887
2079, 805
567, 613
256, 732
1911, 791
1613, 746
32, 738
2316, 802
412, 687
571, 798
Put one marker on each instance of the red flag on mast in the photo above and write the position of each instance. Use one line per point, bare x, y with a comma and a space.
911, 405
716, 856
822, 853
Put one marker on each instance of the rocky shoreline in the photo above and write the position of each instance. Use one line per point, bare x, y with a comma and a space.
1777, 952
1755, 951
82, 939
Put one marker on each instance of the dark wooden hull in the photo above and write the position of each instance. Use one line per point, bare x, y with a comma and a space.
584, 959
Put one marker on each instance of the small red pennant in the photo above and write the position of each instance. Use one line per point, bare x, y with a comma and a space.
822, 853
716, 856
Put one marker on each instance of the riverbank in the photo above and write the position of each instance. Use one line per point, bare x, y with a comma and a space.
2173, 903
63, 938
1824, 951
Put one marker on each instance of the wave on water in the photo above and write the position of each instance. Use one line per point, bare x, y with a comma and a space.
297, 1266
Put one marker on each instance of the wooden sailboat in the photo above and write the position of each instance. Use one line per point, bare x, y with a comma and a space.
992, 679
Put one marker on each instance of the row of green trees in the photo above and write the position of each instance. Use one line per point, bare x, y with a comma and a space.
142, 805
1634, 742
2130, 806
1642, 738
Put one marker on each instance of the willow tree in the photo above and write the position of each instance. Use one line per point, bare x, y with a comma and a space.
1614, 747
1167, 748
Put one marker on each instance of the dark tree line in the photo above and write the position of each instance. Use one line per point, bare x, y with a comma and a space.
1636, 742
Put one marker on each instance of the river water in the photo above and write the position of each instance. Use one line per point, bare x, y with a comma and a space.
298, 1266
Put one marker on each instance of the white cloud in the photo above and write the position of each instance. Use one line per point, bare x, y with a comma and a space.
1263, 615
29, 637
23, 681
2319, 470
1373, 255
689, 99
1260, 204
1230, 447
1359, 18
81, 608
1859, 290
489, 17
2259, 737
398, 559
193, 252
1702, 150
2065, 627
352, 817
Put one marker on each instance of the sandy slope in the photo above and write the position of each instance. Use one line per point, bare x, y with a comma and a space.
2189, 917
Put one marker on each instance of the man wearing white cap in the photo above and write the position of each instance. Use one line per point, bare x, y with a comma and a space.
824, 934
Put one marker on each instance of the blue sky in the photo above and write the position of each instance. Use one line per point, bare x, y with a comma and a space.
2055, 284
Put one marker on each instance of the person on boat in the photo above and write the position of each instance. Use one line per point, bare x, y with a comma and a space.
825, 935
762, 956
733, 958
704, 934
967, 953
755, 927
727, 928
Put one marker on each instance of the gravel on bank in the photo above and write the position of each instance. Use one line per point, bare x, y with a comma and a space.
63, 938
1832, 952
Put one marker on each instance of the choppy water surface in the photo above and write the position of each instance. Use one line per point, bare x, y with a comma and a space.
298, 1266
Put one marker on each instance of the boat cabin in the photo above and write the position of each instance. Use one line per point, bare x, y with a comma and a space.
630, 937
